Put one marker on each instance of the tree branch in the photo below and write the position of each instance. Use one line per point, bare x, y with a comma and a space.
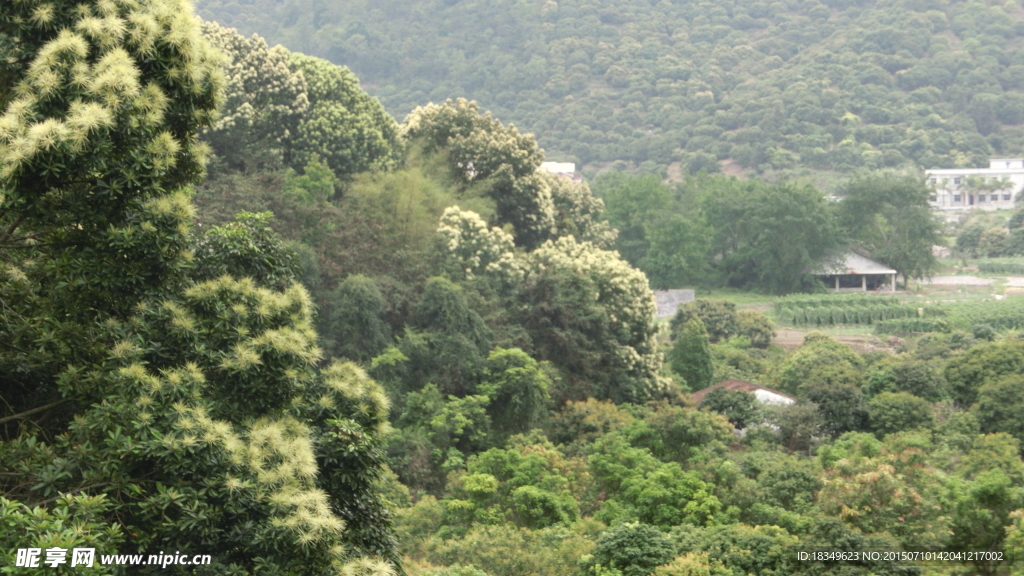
33, 411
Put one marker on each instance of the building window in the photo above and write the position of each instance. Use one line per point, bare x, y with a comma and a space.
934, 198
995, 197
1006, 196
956, 180
933, 181
981, 198
956, 197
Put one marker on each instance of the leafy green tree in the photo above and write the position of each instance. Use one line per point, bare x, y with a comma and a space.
718, 316
691, 355
891, 220
841, 405
343, 125
1014, 243
992, 242
819, 361
483, 153
435, 432
891, 412
886, 488
530, 484
747, 549
448, 342
757, 327
739, 406
632, 203
968, 240
768, 237
354, 326
591, 315
246, 248
999, 403
264, 99
518, 389
916, 377
98, 142
800, 425
632, 548
683, 434
981, 365
1016, 221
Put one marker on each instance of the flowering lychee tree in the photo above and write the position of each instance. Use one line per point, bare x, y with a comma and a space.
142, 411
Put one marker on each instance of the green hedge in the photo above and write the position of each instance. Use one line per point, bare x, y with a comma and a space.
1001, 266
860, 313
905, 326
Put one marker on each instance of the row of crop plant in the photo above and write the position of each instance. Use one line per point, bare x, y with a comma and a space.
1001, 266
802, 301
833, 315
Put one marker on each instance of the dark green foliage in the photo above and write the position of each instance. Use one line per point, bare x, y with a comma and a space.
756, 327
1002, 265
983, 332
691, 355
916, 377
969, 239
891, 221
711, 85
908, 326
821, 361
718, 317
580, 423
840, 404
435, 433
684, 434
982, 365
657, 233
343, 125
518, 389
891, 412
1016, 221
999, 406
768, 237
246, 248
739, 406
632, 548
450, 341
353, 325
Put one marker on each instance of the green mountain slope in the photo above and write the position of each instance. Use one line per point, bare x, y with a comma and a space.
761, 85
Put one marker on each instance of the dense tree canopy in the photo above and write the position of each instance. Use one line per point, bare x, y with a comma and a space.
707, 84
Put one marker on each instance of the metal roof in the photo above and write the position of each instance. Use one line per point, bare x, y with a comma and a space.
853, 263
763, 393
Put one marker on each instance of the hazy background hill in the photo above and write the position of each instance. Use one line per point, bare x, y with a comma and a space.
738, 86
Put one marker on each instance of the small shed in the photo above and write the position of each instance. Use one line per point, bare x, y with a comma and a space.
857, 272
668, 301
763, 394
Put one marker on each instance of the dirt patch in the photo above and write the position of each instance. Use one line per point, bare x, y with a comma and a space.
731, 167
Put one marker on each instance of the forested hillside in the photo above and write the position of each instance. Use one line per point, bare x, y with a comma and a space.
760, 85
247, 315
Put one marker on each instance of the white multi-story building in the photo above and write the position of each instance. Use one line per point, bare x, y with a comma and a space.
992, 188
563, 169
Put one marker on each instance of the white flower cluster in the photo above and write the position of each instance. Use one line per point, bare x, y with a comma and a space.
91, 69
621, 289
478, 249
263, 96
